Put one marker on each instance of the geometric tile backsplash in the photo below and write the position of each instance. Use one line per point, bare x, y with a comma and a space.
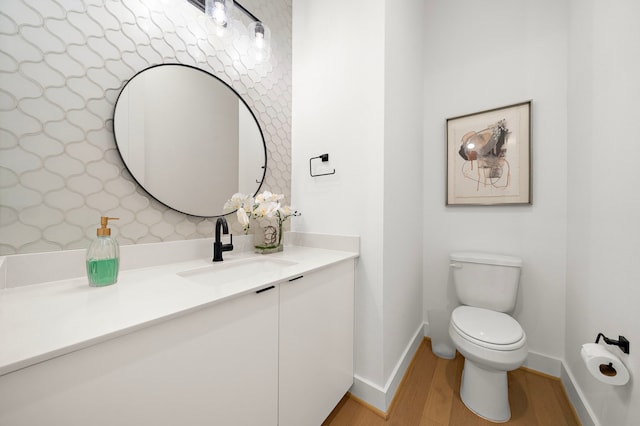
62, 66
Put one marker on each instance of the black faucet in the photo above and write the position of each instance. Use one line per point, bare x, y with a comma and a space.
218, 247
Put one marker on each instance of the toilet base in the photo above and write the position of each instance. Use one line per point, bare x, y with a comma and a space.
485, 392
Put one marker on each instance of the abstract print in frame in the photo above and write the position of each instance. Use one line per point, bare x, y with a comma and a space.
489, 157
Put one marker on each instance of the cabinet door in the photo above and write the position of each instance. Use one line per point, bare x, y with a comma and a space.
215, 366
316, 344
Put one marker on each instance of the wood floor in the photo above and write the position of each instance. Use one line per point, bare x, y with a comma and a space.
430, 396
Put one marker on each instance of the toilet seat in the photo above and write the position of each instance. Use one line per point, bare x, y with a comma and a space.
488, 329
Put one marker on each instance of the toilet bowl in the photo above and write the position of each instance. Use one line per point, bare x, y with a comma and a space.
492, 343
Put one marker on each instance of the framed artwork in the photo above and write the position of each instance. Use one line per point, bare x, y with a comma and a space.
489, 157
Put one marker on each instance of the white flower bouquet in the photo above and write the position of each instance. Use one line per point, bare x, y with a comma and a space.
266, 207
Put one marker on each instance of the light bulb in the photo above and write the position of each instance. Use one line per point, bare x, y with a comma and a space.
259, 41
219, 14
219, 11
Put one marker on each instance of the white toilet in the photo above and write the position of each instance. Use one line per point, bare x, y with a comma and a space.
491, 341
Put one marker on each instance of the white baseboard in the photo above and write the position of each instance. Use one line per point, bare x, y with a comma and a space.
381, 397
402, 365
577, 399
543, 363
369, 392
425, 329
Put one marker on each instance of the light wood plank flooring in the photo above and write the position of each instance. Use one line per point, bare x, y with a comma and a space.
429, 395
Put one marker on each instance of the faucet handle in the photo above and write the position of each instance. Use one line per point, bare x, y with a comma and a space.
228, 247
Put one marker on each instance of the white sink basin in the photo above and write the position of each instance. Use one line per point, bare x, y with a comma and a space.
227, 272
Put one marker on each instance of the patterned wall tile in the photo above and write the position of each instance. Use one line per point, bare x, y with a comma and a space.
62, 66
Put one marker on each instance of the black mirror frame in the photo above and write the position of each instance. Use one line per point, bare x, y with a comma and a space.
113, 124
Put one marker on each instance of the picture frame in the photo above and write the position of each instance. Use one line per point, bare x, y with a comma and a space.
489, 157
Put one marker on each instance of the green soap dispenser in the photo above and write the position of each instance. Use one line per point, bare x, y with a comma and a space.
103, 257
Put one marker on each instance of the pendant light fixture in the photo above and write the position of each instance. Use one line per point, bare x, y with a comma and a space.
260, 36
221, 11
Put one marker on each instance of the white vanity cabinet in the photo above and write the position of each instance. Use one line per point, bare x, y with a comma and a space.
316, 343
215, 366
248, 353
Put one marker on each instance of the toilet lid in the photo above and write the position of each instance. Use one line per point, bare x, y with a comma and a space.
484, 325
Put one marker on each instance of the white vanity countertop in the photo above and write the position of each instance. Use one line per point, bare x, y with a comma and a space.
42, 321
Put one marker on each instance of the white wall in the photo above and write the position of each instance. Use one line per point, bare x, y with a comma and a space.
403, 97
480, 56
354, 99
603, 200
339, 110
578, 61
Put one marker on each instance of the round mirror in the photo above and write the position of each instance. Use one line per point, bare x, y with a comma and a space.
188, 138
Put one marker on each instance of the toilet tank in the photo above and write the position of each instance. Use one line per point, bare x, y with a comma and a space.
486, 280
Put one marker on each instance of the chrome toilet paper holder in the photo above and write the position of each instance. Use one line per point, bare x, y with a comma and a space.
622, 342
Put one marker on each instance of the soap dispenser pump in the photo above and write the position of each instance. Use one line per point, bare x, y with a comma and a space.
103, 256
